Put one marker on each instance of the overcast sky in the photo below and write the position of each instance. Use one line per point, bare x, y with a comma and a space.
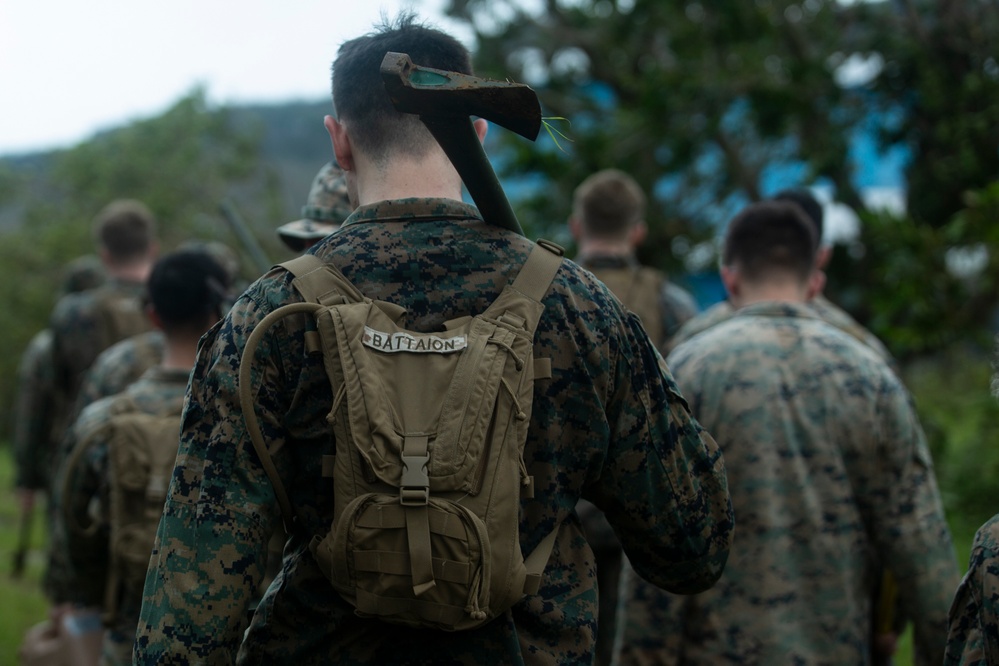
69, 68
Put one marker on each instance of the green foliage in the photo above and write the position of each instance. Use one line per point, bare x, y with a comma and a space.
182, 164
24, 605
696, 100
961, 420
712, 105
920, 287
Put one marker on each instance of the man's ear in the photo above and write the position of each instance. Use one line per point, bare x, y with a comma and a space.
342, 148
481, 126
822, 256
816, 283
575, 228
637, 233
154, 317
732, 281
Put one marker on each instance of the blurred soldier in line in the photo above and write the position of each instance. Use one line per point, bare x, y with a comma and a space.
85, 324
325, 208
973, 637
608, 224
125, 361
123, 449
822, 306
830, 476
35, 439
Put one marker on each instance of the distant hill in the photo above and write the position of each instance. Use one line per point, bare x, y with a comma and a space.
294, 145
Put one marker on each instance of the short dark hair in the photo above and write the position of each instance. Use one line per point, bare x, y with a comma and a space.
360, 99
126, 229
770, 237
187, 288
608, 203
809, 204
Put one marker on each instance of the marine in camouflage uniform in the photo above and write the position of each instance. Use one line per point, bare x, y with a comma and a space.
822, 306
608, 224
186, 305
119, 365
830, 477
325, 208
85, 324
973, 639
609, 425
38, 400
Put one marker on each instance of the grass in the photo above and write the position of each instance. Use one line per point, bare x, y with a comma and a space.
23, 604
951, 393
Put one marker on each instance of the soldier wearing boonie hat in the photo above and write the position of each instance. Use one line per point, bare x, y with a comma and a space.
324, 210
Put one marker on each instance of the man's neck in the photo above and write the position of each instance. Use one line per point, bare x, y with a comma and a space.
135, 272
431, 177
781, 292
601, 247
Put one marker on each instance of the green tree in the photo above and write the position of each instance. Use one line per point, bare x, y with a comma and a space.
712, 105
182, 164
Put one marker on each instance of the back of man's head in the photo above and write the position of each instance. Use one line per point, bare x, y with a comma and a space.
187, 290
770, 239
125, 231
608, 204
808, 203
359, 96
82, 273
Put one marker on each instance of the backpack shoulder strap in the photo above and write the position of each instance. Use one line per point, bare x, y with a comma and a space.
539, 270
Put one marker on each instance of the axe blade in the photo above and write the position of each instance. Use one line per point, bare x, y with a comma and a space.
425, 91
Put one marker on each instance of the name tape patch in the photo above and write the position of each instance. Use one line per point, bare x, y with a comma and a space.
407, 342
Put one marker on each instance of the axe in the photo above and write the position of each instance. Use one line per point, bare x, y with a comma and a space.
445, 102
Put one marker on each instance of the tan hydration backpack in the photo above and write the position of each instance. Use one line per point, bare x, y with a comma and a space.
141, 456
430, 430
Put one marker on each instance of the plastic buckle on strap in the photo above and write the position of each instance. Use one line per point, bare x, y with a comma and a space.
414, 489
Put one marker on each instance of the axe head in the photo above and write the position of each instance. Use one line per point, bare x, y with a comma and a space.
429, 92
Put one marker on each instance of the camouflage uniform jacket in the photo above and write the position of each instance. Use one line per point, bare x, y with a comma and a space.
828, 311
830, 477
158, 391
34, 441
673, 304
974, 615
609, 425
119, 365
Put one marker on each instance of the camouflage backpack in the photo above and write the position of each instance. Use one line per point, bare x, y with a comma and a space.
640, 289
141, 456
429, 436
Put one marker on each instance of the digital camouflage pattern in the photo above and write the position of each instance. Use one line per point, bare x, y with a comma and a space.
830, 477
661, 305
609, 425
974, 616
158, 391
34, 441
822, 306
119, 365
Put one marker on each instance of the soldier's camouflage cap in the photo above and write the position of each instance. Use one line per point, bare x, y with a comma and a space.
324, 210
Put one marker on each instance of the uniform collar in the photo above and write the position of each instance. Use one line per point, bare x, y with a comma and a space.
413, 209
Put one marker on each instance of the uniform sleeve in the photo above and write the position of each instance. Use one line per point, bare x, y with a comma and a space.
973, 636
665, 477
908, 524
209, 554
